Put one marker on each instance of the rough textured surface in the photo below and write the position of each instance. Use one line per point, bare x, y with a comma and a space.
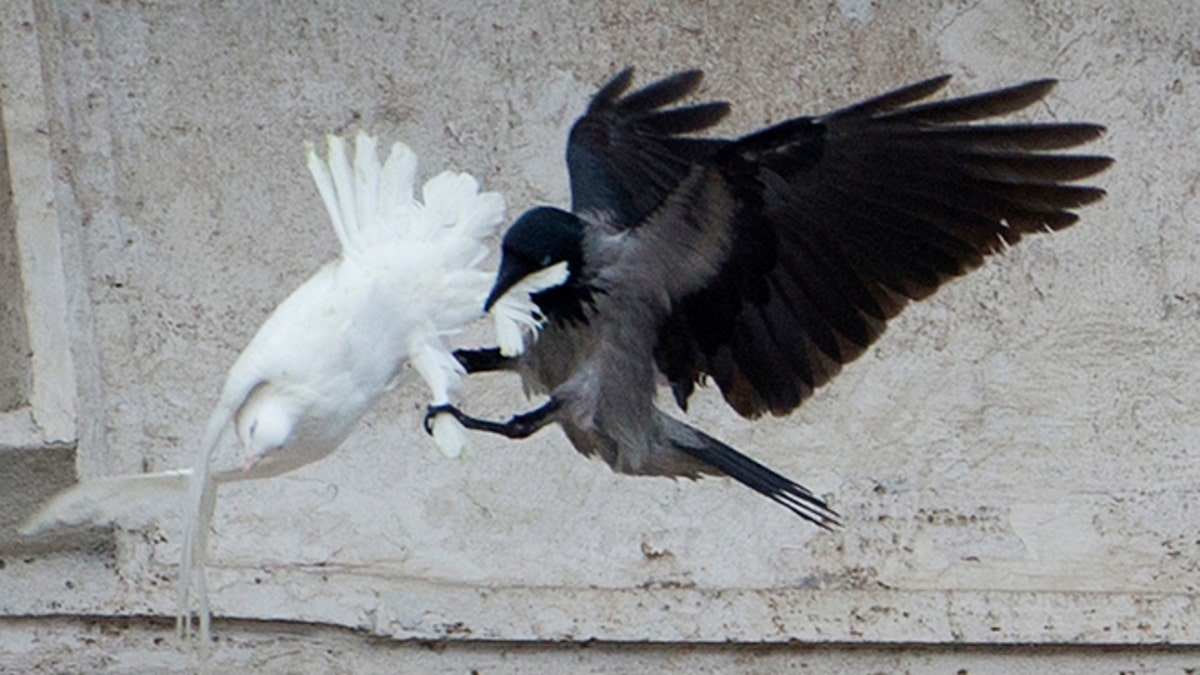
1016, 460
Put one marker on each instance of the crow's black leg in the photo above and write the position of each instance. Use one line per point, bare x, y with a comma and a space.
483, 360
520, 426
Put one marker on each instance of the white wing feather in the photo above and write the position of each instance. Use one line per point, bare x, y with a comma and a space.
366, 184
396, 207
343, 183
320, 174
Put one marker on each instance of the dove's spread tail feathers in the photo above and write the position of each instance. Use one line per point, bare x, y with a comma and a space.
108, 499
100, 501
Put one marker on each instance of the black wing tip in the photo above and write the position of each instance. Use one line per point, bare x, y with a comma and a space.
904, 104
1042, 84
662, 92
1027, 93
650, 97
929, 87
1093, 132
685, 80
688, 120
689, 79
1035, 89
1086, 195
612, 90
894, 99
1071, 134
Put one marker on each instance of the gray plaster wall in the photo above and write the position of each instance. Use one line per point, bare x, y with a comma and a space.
1016, 461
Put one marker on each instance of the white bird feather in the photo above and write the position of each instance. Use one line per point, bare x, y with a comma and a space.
407, 276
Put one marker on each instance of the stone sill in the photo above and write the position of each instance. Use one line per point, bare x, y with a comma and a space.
413, 609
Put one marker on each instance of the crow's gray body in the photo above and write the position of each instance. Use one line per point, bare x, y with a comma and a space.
601, 370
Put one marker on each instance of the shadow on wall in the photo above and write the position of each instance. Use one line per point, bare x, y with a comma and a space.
14, 337
28, 477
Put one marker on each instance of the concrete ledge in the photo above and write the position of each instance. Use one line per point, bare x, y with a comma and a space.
415, 609
429, 611
123, 645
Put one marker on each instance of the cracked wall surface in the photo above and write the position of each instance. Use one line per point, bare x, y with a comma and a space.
1016, 461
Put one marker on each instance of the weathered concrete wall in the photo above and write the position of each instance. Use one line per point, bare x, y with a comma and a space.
1016, 461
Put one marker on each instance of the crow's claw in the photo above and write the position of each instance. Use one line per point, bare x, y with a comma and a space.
435, 410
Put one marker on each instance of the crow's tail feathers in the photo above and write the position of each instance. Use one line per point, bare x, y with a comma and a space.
780, 489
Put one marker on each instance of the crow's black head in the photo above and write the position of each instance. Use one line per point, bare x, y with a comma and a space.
541, 237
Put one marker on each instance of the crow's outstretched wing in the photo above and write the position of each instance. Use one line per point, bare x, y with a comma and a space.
822, 228
626, 154
842, 219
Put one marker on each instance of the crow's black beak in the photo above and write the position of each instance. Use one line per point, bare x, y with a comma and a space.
508, 276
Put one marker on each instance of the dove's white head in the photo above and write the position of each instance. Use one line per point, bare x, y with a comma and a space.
264, 423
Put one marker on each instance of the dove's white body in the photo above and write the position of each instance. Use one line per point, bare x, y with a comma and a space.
407, 275
333, 347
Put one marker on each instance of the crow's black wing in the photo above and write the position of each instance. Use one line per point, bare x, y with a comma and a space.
842, 219
626, 154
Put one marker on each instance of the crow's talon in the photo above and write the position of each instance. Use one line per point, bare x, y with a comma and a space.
435, 410
465, 357
482, 360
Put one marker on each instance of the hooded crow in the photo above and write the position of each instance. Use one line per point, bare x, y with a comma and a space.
765, 263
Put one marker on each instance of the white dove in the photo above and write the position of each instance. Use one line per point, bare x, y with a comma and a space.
407, 275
